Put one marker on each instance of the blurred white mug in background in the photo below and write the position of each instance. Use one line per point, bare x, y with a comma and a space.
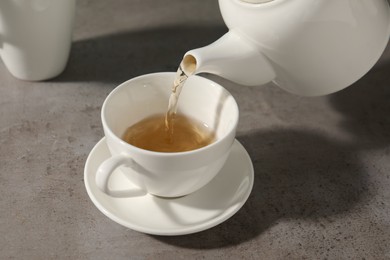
36, 36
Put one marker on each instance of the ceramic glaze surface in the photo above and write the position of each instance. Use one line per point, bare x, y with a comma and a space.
167, 174
36, 37
307, 47
211, 205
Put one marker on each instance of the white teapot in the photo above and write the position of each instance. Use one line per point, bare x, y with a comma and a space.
307, 47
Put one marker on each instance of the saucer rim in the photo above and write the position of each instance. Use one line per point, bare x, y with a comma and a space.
225, 215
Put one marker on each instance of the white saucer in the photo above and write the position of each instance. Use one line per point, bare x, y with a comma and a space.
201, 210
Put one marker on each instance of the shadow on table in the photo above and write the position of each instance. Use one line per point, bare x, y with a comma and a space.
119, 57
302, 175
298, 175
366, 109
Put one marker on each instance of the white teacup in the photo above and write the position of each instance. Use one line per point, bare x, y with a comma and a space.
35, 37
167, 174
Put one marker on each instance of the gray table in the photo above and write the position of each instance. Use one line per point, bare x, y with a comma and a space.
322, 165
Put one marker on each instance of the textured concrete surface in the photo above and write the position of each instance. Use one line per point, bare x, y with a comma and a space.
322, 165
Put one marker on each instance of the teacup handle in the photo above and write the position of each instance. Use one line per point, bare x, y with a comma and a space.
105, 171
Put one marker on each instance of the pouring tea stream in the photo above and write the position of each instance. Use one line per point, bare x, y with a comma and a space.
307, 47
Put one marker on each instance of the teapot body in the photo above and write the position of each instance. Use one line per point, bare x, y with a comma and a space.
315, 47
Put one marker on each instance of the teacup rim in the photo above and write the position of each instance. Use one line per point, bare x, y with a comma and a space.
166, 154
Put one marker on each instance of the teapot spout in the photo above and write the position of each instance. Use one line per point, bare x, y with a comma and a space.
232, 57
